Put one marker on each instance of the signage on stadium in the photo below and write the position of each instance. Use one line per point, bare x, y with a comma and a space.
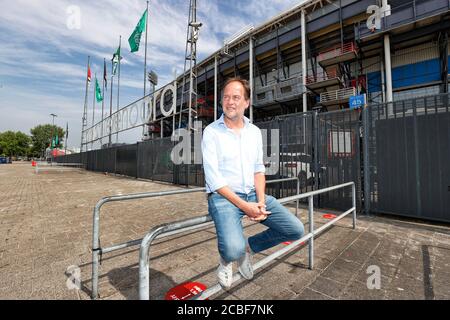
357, 101
136, 114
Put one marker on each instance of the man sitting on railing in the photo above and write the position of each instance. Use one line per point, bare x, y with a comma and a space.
235, 182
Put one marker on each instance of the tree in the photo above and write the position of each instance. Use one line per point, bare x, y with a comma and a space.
41, 137
14, 143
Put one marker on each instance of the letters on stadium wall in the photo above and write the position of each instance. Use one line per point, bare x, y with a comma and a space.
136, 114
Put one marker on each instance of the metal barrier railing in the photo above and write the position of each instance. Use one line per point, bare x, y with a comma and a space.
178, 227
45, 166
97, 250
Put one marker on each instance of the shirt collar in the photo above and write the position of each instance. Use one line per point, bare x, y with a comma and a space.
222, 122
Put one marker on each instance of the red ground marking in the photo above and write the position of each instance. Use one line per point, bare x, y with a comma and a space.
289, 242
185, 291
329, 216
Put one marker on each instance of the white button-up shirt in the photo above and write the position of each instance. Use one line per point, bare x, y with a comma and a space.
231, 159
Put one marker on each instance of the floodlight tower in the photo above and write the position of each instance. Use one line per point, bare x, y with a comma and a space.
191, 59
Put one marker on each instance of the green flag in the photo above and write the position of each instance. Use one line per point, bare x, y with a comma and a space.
135, 37
55, 141
115, 60
98, 92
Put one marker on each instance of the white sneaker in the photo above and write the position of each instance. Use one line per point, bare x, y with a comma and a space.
245, 265
225, 273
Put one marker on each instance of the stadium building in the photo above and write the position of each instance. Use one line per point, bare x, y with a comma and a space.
320, 53
311, 69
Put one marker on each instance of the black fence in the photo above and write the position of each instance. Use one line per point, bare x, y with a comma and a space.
408, 158
405, 147
290, 144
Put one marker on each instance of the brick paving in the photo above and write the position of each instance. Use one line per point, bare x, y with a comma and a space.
46, 226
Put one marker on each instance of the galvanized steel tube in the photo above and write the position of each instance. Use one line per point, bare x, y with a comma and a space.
96, 225
311, 231
144, 252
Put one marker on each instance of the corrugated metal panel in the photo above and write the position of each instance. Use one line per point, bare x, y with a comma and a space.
416, 54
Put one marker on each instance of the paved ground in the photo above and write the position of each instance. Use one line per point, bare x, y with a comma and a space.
46, 222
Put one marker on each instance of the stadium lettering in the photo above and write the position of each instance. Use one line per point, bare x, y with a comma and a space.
136, 114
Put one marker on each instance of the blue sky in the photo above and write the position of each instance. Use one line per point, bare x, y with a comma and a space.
44, 51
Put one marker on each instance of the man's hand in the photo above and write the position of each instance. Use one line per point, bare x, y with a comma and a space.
263, 211
255, 211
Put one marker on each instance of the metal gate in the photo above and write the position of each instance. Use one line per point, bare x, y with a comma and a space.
291, 154
339, 156
408, 158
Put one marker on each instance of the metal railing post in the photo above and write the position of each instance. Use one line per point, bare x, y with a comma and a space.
316, 152
297, 202
144, 251
95, 248
366, 161
354, 205
311, 230
144, 270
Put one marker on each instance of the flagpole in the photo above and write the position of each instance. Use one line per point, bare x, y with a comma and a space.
84, 119
145, 64
145, 59
103, 101
67, 134
118, 84
93, 108
110, 102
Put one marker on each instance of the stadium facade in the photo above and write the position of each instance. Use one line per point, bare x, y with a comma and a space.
307, 67
318, 54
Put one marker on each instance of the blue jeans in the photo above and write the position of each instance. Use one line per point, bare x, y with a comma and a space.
282, 226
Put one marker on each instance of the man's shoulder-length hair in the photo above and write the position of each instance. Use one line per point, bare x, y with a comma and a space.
244, 83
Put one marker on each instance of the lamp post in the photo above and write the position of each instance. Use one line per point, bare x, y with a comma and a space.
153, 79
53, 135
